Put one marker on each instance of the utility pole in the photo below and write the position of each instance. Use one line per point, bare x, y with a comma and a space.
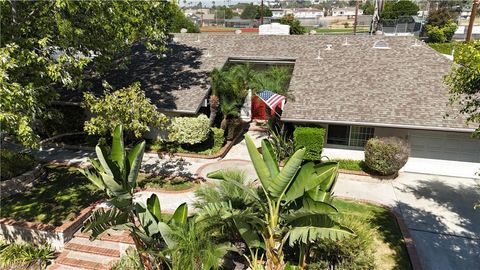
473, 14
261, 12
356, 18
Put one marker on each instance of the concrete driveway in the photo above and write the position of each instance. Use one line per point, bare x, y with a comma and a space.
439, 212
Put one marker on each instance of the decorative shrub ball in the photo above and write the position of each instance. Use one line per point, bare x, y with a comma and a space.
386, 155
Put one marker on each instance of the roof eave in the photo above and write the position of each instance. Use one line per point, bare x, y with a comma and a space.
292, 120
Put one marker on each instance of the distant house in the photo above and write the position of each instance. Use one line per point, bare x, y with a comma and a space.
346, 11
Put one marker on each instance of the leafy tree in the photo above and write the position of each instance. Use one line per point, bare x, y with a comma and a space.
368, 8
48, 44
128, 106
294, 206
437, 34
178, 20
464, 81
440, 17
394, 10
226, 10
295, 27
252, 11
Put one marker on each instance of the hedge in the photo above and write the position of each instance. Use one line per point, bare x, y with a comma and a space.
312, 138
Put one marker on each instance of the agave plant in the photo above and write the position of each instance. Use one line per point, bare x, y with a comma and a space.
295, 206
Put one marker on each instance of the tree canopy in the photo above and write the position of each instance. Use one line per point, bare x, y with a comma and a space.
295, 27
464, 81
47, 45
394, 10
368, 8
252, 11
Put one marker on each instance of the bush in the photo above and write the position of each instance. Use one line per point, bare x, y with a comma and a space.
350, 253
295, 27
312, 139
386, 155
210, 146
13, 164
25, 256
438, 34
128, 106
449, 30
189, 130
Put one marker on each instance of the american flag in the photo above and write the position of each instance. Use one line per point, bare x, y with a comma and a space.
271, 99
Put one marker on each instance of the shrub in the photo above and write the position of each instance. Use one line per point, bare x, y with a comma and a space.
13, 164
312, 139
25, 256
350, 253
295, 27
386, 155
189, 130
435, 34
128, 106
449, 30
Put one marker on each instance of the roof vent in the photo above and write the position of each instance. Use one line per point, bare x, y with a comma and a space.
312, 32
416, 44
183, 30
238, 32
208, 55
346, 42
329, 47
381, 44
198, 39
319, 57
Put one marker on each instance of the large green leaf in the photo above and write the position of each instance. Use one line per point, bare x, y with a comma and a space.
319, 195
167, 233
94, 177
135, 158
327, 168
112, 185
147, 220
258, 163
180, 216
118, 149
251, 237
316, 227
104, 219
218, 174
269, 158
279, 185
309, 177
153, 205
103, 159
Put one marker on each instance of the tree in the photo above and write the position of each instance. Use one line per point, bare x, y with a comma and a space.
178, 20
48, 44
127, 106
442, 34
295, 27
440, 17
252, 11
368, 8
402, 8
464, 82
224, 9
294, 205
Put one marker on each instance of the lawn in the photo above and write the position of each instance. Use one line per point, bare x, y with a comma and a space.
445, 48
390, 251
58, 198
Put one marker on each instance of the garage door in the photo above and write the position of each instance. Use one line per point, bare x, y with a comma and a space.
444, 146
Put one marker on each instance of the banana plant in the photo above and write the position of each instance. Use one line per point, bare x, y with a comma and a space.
296, 205
115, 172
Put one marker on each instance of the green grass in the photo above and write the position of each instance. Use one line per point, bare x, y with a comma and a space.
391, 249
13, 164
353, 165
58, 198
147, 181
445, 48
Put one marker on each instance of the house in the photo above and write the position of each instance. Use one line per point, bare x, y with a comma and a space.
346, 11
360, 87
356, 87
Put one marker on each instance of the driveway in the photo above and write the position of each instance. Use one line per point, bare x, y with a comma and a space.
439, 213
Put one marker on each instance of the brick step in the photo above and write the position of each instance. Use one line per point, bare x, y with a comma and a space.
110, 236
93, 250
83, 260
62, 267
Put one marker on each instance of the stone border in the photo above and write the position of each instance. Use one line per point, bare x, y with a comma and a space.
407, 237
36, 232
201, 168
20, 183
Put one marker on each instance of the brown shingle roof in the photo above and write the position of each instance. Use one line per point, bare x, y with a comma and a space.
401, 86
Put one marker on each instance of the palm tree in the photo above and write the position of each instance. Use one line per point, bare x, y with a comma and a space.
230, 109
217, 80
294, 205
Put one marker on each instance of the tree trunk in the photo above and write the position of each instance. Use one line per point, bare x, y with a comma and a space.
214, 102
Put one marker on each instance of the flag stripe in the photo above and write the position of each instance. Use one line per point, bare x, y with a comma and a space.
271, 99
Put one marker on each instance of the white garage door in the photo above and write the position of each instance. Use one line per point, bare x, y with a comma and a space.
445, 146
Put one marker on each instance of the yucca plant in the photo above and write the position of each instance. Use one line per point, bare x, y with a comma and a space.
115, 172
295, 205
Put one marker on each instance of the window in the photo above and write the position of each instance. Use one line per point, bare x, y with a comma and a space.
349, 135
